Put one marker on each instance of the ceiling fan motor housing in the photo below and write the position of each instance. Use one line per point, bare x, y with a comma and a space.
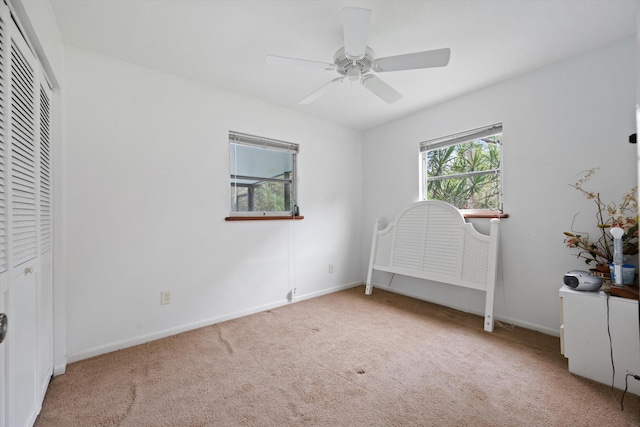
353, 67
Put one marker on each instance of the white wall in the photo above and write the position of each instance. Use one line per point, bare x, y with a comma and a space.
558, 121
147, 190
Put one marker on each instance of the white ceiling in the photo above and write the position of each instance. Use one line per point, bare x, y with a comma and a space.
223, 43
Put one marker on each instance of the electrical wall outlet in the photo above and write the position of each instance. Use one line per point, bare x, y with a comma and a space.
330, 268
165, 297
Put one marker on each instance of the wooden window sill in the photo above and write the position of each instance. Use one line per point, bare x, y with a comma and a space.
263, 218
475, 213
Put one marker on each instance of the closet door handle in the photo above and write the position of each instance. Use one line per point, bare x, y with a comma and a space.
28, 270
4, 326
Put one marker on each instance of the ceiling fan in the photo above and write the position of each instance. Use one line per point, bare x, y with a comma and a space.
356, 61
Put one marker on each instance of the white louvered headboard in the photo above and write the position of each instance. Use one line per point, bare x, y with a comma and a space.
431, 240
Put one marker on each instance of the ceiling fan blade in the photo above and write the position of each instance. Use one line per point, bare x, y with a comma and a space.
321, 91
413, 61
380, 88
356, 31
282, 60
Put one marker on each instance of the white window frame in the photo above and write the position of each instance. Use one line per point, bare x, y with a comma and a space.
459, 138
267, 144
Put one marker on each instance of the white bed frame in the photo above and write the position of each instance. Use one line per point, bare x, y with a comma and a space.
431, 240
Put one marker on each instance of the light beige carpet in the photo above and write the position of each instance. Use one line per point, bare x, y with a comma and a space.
343, 359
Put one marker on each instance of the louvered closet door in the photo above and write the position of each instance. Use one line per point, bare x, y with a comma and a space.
24, 383
26, 291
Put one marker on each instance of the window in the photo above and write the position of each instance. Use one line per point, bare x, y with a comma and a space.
464, 169
262, 176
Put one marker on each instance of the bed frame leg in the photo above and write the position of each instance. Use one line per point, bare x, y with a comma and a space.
372, 257
488, 323
494, 232
488, 308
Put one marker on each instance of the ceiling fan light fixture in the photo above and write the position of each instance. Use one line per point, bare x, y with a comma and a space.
353, 74
345, 65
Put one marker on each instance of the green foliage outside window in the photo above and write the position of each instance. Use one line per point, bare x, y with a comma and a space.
467, 175
265, 196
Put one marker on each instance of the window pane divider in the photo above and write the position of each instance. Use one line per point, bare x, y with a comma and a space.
463, 175
259, 179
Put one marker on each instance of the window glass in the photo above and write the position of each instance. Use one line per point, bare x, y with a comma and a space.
464, 169
262, 175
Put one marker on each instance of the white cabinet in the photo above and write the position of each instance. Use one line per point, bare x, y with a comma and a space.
586, 319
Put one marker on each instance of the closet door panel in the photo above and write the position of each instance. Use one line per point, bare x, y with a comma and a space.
23, 402
23, 131
45, 187
44, 277
24, 382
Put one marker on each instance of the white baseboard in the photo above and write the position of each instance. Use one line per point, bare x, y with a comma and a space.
327, 291
60, 369
107, 348
516, 322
